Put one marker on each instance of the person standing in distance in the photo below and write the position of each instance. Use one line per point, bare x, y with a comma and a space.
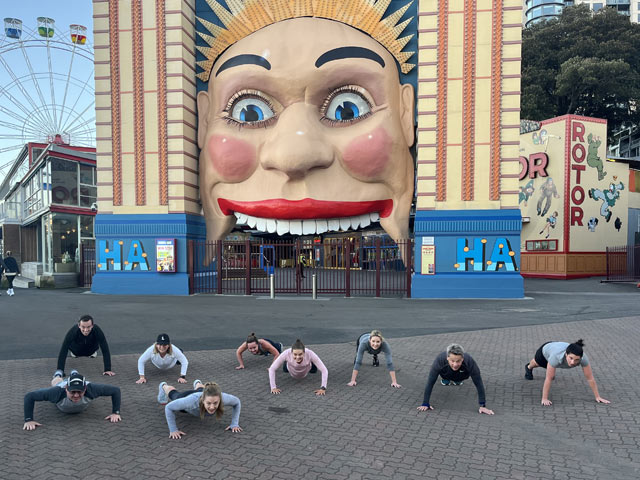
11, 270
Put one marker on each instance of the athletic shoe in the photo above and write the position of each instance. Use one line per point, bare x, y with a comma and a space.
94, 354
528, 374
163, 399
376, 363
445, 383
58, 373
73, 371
195, 382
457, 384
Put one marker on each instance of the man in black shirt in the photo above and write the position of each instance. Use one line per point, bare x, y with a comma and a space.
84, 340
71, 396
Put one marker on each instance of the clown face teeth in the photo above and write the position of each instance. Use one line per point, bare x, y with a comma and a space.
307, 226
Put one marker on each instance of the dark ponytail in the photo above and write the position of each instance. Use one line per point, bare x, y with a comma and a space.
297, 345
252, 338
576, 348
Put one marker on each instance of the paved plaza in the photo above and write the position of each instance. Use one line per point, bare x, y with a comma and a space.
370, 431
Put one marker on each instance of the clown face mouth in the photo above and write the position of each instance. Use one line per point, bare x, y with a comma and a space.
307, 216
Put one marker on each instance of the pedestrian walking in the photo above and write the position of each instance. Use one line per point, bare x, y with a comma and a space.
11, 270
205, 399
163, 355
73, 395
454, 366
553, 355
373, 343
84, 340
298, 362
258, 346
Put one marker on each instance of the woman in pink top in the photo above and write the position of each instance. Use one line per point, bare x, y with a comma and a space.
299, 362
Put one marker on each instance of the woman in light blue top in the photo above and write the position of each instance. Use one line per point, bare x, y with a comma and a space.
373, 343
205, 399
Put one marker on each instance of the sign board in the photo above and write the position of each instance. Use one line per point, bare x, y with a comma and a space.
166, 255
428, 260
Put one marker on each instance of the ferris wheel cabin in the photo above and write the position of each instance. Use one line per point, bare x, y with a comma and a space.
46, 27
13, 28
78, 34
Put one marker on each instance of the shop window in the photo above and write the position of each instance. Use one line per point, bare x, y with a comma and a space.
541, 245
33, 194
64, 243
64, 180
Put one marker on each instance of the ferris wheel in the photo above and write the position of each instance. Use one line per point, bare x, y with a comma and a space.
46, 87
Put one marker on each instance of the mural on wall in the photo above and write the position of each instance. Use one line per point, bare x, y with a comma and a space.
305, 127
526, 192
592, 224
542, 186
593, 160
608, 197
551, 223
548, 191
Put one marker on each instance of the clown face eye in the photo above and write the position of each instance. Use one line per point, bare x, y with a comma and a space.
251, 110
346, 105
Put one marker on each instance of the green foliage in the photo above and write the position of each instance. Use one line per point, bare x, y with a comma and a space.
584, 64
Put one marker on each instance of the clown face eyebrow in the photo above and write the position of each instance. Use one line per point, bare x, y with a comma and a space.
349, 52
245, 59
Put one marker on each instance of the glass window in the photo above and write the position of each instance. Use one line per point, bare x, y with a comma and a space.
86, 226
541, 245
597, 7
64, 180
33, 194
64, 242
88, 190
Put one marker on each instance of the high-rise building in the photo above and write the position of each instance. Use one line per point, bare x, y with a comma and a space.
538, 10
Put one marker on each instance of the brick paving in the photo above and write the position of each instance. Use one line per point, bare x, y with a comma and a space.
371, 431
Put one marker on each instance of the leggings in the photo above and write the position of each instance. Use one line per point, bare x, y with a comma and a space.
10, 279
175, 394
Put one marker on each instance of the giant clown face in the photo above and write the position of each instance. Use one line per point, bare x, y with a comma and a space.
306, 129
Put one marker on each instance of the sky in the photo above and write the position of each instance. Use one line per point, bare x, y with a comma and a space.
64, 12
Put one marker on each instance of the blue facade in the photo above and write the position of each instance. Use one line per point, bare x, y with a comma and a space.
126, 253
477, 254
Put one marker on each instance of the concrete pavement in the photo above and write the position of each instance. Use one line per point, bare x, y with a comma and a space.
369, 431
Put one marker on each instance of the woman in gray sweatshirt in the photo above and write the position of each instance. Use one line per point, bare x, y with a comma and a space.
205, 399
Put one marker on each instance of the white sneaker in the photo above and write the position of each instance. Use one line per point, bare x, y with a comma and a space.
11, 292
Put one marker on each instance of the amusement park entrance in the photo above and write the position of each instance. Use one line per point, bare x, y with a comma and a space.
341, 266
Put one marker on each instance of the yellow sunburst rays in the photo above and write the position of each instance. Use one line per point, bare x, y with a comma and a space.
247, 16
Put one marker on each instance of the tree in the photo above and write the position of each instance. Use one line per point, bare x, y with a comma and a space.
582, 63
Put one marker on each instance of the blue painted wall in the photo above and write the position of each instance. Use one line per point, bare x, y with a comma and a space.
490, 266
143, 230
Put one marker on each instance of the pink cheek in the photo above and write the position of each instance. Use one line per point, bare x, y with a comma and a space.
234, 160
368, 155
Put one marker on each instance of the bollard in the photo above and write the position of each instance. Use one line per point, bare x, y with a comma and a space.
314, 282
272, 286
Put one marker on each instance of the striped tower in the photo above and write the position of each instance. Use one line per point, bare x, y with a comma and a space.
467, 225
146, 143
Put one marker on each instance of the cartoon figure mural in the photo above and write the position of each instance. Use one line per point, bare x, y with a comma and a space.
617, 224
551, 223
592, 224
593, 160
547, 190
607, 196
526, 192
305, 127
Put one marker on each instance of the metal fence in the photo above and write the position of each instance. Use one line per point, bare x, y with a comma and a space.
623, 263
342, 266
87, 264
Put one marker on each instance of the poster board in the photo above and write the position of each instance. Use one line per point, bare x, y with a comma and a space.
166, 255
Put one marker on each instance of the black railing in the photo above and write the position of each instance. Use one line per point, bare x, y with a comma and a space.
623, 263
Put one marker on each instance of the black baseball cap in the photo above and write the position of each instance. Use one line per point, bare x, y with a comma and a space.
76, 383
163, 339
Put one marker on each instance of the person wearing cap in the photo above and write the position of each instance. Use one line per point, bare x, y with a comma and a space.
73, 395
164, 356
84, 340
454, 366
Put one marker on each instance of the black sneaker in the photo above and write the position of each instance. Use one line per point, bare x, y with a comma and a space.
376, 363
528, 374
444, 382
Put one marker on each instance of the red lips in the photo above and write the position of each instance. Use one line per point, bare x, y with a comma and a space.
305, 209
